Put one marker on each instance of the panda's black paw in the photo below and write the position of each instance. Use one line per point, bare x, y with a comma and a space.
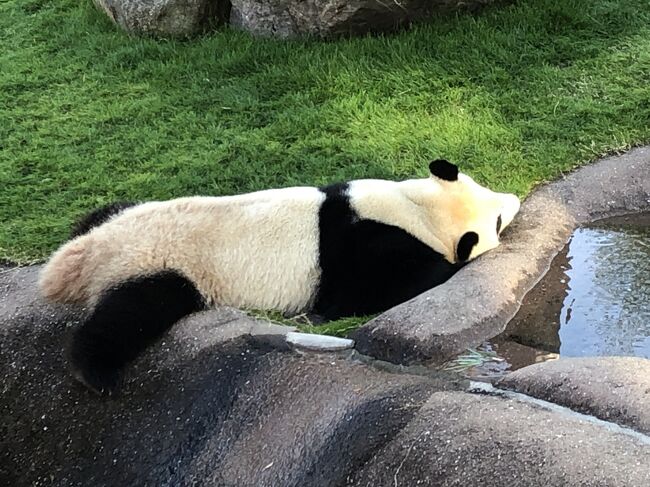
93, 365
101, 380
95, 355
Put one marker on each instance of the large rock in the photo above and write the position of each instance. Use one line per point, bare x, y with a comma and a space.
222, 400
460, 439
165, 18
332, 18
615, 389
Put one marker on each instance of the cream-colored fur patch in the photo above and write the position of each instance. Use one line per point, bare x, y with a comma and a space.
435, 211
257, 250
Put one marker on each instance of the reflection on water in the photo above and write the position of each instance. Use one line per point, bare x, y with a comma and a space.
607, 307
595, 300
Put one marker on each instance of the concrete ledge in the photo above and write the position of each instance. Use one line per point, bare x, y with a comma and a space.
478, 302
223, 400
472, 440
615, 389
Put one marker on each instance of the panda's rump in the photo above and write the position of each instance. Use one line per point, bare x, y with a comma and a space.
244, 252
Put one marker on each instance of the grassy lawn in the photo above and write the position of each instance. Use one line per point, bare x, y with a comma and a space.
516, 95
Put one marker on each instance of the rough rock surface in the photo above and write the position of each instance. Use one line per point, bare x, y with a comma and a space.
223, 400
478, 302
615, 389
165, 18
463, 439
332, 18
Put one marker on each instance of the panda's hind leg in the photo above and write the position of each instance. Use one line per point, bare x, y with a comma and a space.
126, 319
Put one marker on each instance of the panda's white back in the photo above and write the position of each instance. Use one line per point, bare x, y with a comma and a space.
258, 250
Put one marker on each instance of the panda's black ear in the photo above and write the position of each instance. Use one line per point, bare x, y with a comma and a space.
444, 169
465, 246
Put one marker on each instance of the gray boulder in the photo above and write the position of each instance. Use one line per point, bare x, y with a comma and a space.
459, 439
222, 400
333, 18
615, 389
165, 18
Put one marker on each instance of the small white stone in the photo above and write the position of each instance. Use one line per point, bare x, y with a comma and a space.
325, 343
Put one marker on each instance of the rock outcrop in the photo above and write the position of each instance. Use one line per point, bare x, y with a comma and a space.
165, 18
276, 18
224, 400
334, 18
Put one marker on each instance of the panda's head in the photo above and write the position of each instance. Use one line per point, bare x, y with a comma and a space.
469, 217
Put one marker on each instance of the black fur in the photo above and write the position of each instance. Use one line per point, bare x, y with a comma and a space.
443, 169
367, 266
97, 217
126, 320
465, 246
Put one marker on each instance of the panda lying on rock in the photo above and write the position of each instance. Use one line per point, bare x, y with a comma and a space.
347, 249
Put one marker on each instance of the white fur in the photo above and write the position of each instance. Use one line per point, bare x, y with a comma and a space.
435, 211
258, 250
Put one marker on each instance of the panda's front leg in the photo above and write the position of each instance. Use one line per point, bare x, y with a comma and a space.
127, 318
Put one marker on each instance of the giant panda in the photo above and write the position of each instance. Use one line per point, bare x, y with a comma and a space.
353, 248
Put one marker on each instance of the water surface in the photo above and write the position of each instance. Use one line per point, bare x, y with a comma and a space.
594, 301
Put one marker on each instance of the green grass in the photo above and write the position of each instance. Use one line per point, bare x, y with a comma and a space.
340, 328
516, 95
